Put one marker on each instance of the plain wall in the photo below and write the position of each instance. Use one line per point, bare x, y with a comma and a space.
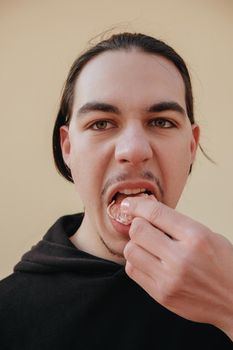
39, 41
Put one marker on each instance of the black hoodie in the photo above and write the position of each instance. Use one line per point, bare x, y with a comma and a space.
62, 298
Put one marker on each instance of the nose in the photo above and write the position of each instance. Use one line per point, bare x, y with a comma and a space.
133, 146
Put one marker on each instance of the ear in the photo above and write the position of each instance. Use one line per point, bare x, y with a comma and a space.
195, 141
65, 144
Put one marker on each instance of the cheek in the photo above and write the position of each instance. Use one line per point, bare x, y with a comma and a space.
88, 164
176, 155
175, 165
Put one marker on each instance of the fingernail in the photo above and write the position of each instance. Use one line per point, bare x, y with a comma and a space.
125, 206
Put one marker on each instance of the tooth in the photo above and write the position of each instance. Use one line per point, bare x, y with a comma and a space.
126, 192
133, 191
137, 190
144, 194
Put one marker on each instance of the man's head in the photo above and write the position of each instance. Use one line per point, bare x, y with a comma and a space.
123, 41
126, 124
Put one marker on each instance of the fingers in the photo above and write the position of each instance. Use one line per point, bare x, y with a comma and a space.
151, 239
140, 260
166, 219
144, 274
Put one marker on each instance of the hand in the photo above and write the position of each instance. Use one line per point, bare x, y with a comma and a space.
181, 263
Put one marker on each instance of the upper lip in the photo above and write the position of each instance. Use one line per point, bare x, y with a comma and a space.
132, 185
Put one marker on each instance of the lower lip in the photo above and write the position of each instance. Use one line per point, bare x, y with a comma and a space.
120, 228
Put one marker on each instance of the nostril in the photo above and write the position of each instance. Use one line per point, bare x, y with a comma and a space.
135, 149
124, 161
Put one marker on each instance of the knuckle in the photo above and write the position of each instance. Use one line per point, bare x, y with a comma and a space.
167, 295
155, 212
129, 250
166, 298
129, 269
197, 240
170, 290
136, 228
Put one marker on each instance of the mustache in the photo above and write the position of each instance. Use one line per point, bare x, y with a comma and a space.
144, 175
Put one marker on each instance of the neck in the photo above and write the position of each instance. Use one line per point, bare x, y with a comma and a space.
91, 242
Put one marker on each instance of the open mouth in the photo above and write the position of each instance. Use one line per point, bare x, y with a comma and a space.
117, 211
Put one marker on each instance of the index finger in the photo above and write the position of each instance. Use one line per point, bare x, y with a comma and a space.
168, 220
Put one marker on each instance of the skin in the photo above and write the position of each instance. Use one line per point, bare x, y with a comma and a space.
116, 146
188, 270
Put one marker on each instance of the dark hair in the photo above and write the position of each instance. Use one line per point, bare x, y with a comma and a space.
122, 41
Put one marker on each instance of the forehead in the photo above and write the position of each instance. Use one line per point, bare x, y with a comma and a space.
130, 78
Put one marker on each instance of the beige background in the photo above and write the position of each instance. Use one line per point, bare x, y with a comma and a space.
39, 41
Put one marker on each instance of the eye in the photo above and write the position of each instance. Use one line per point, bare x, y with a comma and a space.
101, 125
162, 123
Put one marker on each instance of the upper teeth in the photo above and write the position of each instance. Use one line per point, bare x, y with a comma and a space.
133, 191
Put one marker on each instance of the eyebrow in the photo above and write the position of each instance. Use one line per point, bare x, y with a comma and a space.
98, 106
166, 106
109, 108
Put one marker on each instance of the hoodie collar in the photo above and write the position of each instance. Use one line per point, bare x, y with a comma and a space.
56, 253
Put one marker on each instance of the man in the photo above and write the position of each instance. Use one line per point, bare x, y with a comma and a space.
131, 272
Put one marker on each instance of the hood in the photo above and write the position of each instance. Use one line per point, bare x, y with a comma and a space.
56, 253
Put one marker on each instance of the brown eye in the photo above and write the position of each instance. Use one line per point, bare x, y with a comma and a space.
100, 125
162, 123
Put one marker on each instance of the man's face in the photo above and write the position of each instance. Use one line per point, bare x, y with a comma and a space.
129, 130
